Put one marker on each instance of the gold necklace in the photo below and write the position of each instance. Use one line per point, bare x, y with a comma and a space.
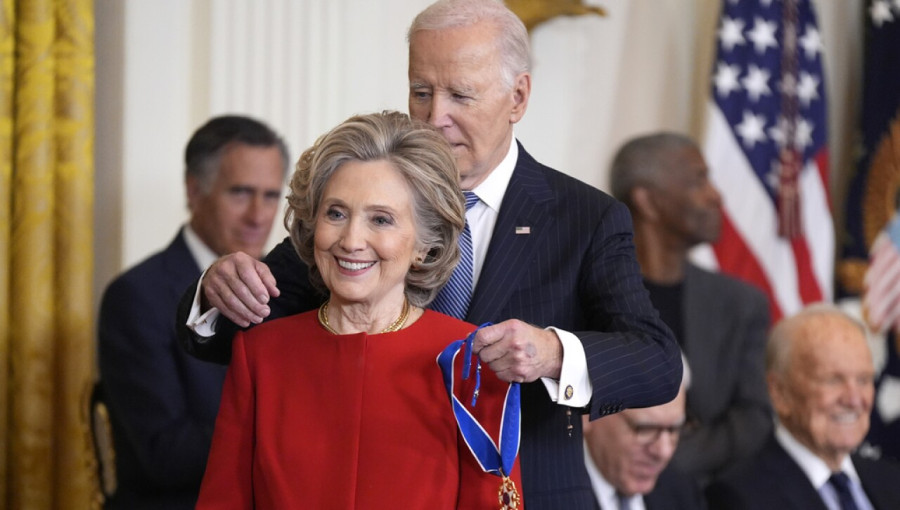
394, 326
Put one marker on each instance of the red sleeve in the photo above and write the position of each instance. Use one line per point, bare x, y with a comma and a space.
478, 489
227, 480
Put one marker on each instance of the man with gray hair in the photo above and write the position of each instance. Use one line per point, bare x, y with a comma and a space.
820, 377
551, 261
720, 322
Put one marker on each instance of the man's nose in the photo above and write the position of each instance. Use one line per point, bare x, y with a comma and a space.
664, 445
439, 112
261, 210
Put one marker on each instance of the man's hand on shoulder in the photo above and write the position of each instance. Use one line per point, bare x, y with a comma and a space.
240, 287
519, 352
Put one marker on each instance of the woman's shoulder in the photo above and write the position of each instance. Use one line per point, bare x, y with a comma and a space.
446, 323
277, 327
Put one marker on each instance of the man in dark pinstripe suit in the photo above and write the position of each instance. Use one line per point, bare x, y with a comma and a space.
555, 267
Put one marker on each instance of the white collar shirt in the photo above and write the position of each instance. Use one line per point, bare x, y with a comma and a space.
482, 217
203, 254
604, 492
818, 472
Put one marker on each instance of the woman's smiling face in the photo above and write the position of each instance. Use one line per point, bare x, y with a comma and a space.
365, 233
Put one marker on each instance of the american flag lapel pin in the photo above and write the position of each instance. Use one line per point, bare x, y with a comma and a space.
523, 230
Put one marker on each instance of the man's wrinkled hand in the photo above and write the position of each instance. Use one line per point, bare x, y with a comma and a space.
519, 352
240, 286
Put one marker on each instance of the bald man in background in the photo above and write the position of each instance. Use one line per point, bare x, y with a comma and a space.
821, 380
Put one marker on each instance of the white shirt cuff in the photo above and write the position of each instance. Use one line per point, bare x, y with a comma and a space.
574, 387
203, 325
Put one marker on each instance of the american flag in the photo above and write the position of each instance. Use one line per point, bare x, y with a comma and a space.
882, 280
870, 255
766, 146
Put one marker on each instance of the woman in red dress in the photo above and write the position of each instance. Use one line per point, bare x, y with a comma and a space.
345, 407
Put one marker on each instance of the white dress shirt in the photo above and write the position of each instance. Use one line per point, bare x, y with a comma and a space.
203, 254
606, 493
818, 472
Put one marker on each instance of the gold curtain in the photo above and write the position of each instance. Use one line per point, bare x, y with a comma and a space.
46, 260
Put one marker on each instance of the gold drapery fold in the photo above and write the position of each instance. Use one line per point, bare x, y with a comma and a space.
47, 126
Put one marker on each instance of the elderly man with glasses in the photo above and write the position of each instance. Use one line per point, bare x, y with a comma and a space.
627, 455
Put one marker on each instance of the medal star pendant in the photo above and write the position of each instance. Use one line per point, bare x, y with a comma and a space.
508, 495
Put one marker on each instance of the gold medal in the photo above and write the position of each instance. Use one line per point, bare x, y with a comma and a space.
508, 495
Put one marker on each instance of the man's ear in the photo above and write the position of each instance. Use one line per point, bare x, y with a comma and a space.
520, 94
780, 402
194, 191
643, 203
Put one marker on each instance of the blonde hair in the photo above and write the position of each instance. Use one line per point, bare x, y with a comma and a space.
425, 161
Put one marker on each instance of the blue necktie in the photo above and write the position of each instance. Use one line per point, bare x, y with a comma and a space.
841, 483
454, 298
623, 500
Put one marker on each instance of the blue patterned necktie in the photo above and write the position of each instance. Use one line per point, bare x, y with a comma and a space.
841, 483
623, 500
454, 298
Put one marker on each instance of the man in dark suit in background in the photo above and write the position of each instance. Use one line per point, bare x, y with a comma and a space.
720, 322
627, 455
162, 402
549, 252
820, 377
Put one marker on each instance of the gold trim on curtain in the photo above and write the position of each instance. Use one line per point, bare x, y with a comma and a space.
48, 125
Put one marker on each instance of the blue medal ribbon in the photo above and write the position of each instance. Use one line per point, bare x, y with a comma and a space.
497, 460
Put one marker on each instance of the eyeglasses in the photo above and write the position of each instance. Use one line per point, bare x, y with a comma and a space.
646, 433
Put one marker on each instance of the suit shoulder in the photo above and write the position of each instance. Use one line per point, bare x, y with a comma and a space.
566, 184
729, 284
139, 276
562, 183
885, 469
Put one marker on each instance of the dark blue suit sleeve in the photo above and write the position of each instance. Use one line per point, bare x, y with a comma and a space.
632, 357
297, 295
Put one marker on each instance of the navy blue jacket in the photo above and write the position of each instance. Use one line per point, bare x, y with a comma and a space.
162, 401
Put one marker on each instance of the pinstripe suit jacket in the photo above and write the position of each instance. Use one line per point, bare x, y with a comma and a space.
575, 270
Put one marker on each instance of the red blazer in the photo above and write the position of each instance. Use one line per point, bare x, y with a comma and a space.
313, 420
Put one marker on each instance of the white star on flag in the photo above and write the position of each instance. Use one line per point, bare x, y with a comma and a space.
751, 128
726, 78
803, 134
763, 35
807, 88
811, 42
730, 33
756, 82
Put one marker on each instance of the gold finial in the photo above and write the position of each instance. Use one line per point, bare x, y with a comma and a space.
535, 12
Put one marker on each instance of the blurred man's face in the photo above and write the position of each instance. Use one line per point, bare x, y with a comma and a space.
825, 397
689, 204
455, 84
632, 448
237, 212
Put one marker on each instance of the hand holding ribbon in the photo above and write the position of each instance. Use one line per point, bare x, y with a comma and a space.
496, 459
